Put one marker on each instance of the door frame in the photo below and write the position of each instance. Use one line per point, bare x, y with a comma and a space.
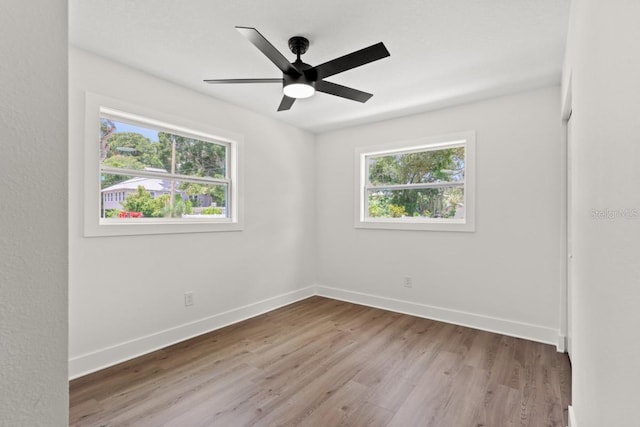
566, 194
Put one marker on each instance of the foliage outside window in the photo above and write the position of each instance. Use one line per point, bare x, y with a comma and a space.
423, 186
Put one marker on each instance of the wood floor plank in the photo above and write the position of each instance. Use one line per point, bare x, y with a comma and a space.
331, 363
430, 394
396, 341
458, 409
500, 406
403, 374
335, 411
368, 415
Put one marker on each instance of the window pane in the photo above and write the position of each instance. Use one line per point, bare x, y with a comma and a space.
446, 165
141, 197
447, 202
124, 145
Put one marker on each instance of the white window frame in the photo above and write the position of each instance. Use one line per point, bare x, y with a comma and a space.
362, 220
97, 106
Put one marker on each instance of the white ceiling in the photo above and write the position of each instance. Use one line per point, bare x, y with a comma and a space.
443, 52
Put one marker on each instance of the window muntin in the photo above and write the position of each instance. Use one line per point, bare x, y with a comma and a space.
422, 185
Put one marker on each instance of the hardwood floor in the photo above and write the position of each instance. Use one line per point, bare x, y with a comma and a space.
321, 362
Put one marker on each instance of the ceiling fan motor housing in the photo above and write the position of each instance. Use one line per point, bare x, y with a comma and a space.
298, 45
309, 74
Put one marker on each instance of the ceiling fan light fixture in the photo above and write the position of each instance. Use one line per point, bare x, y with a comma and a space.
299, 90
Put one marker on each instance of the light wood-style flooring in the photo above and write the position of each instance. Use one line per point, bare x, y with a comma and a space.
321, 362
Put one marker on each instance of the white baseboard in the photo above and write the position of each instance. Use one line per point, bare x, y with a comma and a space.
492, 324
561, 346
109, 356
572, 417
103, 358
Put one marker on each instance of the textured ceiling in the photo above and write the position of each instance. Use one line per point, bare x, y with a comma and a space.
443, 52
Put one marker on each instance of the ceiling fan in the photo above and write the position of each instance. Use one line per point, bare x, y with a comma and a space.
300, 80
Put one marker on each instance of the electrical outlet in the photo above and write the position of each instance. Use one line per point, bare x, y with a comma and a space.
408, 282
188, 299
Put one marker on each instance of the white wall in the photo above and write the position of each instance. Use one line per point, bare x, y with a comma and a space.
33, 230
604, 64
126, 293
505, 276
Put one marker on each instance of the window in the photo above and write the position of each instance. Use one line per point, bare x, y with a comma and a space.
426, 184
157, 175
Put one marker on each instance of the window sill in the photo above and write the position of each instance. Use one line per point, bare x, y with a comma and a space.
417, 225
105, 227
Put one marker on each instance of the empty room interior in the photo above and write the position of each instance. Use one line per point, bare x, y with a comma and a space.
418, 213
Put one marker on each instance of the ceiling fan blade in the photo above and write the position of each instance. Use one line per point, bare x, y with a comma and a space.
216, 81
342, 91
286, 103
268, 50
352, 60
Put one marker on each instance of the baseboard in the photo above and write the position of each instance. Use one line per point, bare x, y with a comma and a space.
476, 321
103, 358
109, 356
561, 346
572, 418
